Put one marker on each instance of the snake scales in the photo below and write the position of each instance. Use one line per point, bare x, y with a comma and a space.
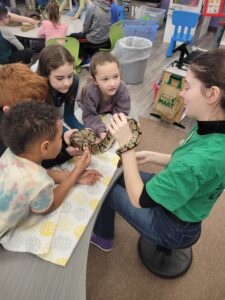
87, 138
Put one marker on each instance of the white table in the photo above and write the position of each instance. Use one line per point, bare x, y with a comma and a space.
26, 277
74, 26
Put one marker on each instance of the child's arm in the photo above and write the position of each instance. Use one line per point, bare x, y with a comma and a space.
58, 175
63, 188
17, 18
6, 34
88, 177
69, 116
91, 116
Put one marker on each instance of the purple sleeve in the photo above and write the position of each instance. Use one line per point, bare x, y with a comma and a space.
91, 107
122, 100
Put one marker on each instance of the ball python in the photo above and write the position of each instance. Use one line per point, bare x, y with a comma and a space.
87, 138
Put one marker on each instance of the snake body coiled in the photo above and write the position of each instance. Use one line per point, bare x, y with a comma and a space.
87, 138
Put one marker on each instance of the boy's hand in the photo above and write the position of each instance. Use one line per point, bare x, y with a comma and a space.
84, 161
71, 150
67, 135
89, 177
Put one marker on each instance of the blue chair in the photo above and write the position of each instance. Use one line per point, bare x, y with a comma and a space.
117, 13
121, 12
183, 21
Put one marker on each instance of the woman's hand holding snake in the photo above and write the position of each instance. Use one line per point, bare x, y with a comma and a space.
125, 130
120, 129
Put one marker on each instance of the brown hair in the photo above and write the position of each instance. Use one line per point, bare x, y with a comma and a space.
100, 58
209, 68
51, 58
18, 83
52, 10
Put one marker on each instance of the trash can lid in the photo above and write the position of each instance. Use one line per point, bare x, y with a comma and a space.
135, 42
131, 49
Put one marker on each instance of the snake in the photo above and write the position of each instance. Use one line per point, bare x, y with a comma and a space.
87, 138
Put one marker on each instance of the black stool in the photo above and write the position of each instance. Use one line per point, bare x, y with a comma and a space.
164, 262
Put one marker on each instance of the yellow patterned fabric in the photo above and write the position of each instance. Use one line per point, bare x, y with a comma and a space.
53, 237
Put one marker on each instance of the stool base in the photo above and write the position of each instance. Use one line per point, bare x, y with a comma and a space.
162, 263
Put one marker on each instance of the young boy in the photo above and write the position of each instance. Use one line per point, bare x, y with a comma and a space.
11, 50
33, 132
96, 27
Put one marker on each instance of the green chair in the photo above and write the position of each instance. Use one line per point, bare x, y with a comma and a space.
72, 45
115, 33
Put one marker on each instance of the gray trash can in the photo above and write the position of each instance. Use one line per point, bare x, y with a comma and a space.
133, 53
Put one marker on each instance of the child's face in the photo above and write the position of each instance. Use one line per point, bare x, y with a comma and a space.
107, 78
195, 101
54, 146
62, 78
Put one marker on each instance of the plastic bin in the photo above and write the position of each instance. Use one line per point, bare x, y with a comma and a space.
154, 14
133, 53
141, 28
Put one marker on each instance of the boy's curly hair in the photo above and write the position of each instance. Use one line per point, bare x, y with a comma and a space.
26, 123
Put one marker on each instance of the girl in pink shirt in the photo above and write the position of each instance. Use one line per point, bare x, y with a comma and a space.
52, 28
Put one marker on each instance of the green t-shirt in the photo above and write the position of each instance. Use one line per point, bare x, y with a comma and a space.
194, 178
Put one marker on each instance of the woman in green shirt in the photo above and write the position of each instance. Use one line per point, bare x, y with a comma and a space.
168, 208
